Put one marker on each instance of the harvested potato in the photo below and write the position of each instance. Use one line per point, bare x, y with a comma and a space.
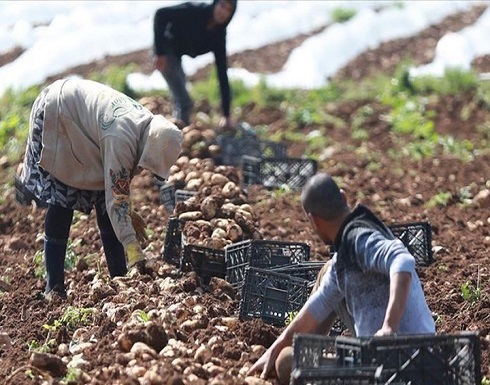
209, 207
218, 179
230, 190
218, 233
190, 216
234, 232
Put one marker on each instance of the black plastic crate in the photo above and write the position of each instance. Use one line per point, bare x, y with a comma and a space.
232, 149
276, 172
444, 359
172, 247
338, 376
167, 196
205, 261
183, 195
305, 270
417, 237
24, 197
274, 297
262, 254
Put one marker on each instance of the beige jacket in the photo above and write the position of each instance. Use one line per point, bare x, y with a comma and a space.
94, 138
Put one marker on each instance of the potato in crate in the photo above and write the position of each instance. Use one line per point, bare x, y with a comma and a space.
263, 254
277, 172
205, 261
274, 297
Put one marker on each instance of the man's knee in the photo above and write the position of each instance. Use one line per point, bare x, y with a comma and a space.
284, 364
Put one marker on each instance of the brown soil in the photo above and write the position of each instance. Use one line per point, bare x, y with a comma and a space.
396, 191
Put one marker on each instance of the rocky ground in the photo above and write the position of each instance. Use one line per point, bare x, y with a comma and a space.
167, 328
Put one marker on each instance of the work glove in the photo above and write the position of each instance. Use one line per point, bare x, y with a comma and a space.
135, 256
139, 226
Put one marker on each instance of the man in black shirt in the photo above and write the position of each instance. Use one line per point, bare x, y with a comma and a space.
192, 29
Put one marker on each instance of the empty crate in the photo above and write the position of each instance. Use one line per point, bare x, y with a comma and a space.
276, 172
417, 237
234, 148
262, 254
305, 270
444, 359
205, 261
274, 297
167, 196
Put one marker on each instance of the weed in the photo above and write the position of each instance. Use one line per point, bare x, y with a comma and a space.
470, 292
440, 199
290, 317
443, 267
74, 317
341, 15
72, 374
142, 316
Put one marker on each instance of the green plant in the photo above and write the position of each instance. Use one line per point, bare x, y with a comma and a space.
341, 15
38, 262
471, 292
142, 316
485, 381
455, 81
440, 199
74, 317
72, 374
290, 317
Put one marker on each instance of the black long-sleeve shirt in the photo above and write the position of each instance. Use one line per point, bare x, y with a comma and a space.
183, 30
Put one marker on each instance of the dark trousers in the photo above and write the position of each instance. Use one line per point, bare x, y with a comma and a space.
57, 226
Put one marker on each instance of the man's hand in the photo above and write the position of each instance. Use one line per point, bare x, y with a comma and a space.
139, 226
265, 363
160, 63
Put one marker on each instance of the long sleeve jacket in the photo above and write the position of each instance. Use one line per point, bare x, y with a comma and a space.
183, 30
94, 138
368, 254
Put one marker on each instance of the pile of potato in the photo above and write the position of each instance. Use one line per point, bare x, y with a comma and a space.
218, 214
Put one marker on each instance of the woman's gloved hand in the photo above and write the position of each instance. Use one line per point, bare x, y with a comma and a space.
139, 226
135, 255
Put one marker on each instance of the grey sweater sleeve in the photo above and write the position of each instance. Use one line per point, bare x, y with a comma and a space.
325, 299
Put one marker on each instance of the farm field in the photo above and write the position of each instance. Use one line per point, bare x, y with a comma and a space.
396, 173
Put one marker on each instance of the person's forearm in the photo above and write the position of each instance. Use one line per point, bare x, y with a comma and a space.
399, 290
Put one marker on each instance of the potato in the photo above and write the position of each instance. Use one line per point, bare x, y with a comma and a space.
191, 137
177, 178
191, 216
214, 150
182, 161
209, 207
218, 179
218, 233
230, 190
193, 184
234, 232
174, 169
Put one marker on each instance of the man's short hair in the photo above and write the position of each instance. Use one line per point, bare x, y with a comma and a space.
321, 196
